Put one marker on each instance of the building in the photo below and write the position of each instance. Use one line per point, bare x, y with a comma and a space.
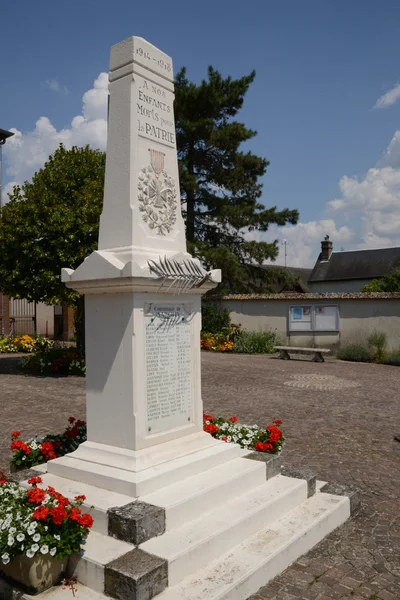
348, 271
18, 316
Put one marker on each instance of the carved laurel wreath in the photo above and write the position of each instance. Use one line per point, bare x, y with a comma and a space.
157, 200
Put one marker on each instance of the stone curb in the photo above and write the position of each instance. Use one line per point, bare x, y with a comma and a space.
338, 489
136, 522
309, 476
136, 575
273, 462
22, 475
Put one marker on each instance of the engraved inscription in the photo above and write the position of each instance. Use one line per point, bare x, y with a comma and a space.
155, 112
151, 60
168, 368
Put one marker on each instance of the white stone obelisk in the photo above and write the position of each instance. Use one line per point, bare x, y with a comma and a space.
143, 298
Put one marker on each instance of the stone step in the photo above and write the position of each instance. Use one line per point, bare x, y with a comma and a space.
193, 545
98, 551
245, 568
97, 503
139, 483
186, 500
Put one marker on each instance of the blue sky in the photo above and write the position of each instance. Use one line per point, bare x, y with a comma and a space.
322, 65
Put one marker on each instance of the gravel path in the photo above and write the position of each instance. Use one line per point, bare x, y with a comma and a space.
339, 419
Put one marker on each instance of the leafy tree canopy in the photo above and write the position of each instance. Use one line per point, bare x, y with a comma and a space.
220, 182
389, 283
51, 223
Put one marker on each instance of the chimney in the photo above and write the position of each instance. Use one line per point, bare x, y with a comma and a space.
326, 248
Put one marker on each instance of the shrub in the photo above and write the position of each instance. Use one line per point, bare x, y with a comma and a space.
55, 360
256, 342
215, 318
355, 352
393, 358
377, 341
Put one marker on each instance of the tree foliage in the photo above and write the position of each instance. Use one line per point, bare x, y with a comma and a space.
220, 183
388, 283
51, 223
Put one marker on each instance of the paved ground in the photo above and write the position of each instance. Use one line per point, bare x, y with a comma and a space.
339, 418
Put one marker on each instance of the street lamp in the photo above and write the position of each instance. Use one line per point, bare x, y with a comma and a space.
4, 135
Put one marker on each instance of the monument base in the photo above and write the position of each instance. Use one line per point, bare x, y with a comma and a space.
135, 473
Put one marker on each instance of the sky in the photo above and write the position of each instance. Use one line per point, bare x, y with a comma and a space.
325, 102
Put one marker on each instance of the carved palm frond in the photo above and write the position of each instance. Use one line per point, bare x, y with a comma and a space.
183, 276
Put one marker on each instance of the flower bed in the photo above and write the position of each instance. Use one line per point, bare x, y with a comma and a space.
24, 343
233, 339
56, 360
251, 437
40, 450
38, 523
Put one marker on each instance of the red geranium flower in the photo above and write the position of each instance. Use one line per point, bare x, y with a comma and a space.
58, 514
80, 423
263, 447
224, 439
19, 445
211, 428
233, 419
41, 513
275, 434
35, 480
75, 514
80, 498
278, 422
3, 478
36, 495
72, 419
86, 520
47, 449
207, 417
15, 434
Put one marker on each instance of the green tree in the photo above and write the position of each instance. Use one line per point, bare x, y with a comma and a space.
50, 223
388, 283
220, 183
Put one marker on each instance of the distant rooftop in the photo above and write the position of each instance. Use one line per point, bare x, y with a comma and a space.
356, 264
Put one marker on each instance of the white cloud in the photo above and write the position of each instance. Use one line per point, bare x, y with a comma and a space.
55, 86
27, 152
303, 240
391, 97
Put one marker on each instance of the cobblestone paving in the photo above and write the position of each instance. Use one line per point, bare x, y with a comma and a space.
344, 434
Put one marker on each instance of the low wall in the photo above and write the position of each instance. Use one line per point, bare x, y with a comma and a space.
359, 315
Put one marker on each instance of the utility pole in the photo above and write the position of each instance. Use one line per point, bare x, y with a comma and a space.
4, 135
284, 243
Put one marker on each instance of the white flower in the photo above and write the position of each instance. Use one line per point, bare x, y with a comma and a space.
36, 537
46, 528
12, 530
33, 525
31, 530
30, 553
5, 558
44, 549
22, 546
53, 551
20, 537
240, 436
57, 537
35, 547
229, 438
10, 540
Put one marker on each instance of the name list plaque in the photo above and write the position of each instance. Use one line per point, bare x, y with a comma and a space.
168, 367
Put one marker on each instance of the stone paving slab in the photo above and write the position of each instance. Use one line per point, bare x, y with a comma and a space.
340, 420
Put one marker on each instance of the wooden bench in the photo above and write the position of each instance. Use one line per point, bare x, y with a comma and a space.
318, 352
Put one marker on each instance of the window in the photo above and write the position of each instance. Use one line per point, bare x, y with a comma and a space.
314, 317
